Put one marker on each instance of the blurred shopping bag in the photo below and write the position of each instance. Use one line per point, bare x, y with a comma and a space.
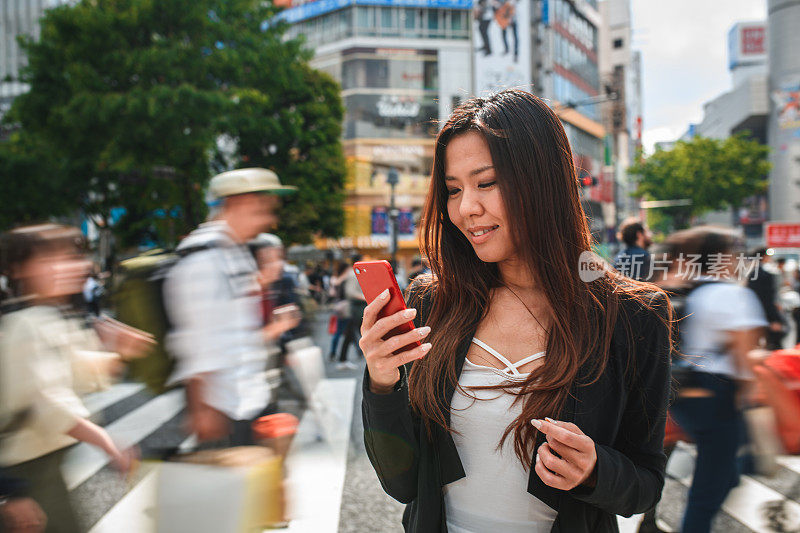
764, 443
305, 359
233, 490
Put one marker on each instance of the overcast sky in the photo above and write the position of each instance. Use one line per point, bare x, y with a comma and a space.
684, 46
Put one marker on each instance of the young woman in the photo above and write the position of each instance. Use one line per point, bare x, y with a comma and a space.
539, 401
723, 323
46, 361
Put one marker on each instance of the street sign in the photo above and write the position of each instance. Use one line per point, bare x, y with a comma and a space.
782, 234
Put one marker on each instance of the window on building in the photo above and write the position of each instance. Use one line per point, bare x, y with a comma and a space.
617, 43
433, 19
430, 75
410, 19
387, 17
458, 20
365, 17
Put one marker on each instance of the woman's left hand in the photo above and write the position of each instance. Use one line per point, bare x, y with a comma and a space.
568, 458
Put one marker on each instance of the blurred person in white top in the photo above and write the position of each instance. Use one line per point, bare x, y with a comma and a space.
723, 322
213, 299
47, 359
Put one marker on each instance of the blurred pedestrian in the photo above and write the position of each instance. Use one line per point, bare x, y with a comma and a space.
722, 324
634, 260
418, 268
316, 281
357, 303
279, 296
213, 299
92, 292
458, 427
18, 512
46, 361
795, 310
340, 307
782, 278
765, 285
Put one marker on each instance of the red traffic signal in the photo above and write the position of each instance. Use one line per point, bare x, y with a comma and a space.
588, 181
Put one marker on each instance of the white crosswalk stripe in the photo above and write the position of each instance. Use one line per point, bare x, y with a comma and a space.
746, 502
316, 467
84, 460
98, 401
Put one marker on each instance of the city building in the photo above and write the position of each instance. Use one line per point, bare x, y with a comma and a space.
620, 71
402, 67
17, 17
405, 64
743, 109
565, 70
783, 127
745, 106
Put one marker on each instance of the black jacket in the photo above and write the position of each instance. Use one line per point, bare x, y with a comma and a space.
764, 287
624, 413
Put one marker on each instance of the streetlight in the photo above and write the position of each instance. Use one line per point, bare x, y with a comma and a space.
392, 178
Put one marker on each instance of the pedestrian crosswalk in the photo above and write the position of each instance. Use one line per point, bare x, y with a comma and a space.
318, 468
746, 508
316, 463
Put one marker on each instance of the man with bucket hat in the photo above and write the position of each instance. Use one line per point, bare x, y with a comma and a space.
221, 349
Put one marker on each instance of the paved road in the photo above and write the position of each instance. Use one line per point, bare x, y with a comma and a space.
336, 486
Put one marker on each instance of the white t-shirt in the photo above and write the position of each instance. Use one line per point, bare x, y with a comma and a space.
714, 310
494, 494
214, 303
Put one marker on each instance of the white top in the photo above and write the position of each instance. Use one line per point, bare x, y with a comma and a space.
714, 310
214, 300
46, 361
89, 287
494, 494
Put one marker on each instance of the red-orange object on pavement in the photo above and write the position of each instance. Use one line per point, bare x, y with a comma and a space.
673, 433
276, 431
779, 379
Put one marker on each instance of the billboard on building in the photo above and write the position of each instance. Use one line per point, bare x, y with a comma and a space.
501, 45
786, 99
747, 44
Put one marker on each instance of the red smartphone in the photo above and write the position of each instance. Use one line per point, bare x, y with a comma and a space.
374, 278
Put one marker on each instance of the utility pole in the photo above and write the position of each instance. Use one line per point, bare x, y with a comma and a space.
392, 178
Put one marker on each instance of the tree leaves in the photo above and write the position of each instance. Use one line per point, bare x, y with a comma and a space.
714, 174
123, 88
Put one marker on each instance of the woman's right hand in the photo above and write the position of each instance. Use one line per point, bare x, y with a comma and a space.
382, 362
125, 459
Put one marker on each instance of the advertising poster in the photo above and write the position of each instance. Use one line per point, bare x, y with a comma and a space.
405, 222
501, 44
380, 221
786, 100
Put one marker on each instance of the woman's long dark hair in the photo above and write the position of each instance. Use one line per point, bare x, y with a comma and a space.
535, 172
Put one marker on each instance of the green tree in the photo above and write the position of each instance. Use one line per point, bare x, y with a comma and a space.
714, 174
28, 172
130, 101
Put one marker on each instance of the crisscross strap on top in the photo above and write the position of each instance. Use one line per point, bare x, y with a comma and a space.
510, 367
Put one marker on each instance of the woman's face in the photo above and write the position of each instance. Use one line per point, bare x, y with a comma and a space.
54, 274
270, 264
474, 203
